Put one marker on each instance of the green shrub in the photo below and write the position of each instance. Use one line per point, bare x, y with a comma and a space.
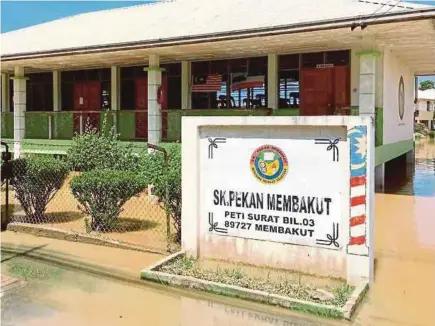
419, 127
102, 193
36, 180
432, 134
101, 150
153, 169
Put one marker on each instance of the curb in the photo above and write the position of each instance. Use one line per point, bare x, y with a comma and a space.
77, 237
344, 312
52, 257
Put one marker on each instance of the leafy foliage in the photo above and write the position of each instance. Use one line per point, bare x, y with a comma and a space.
419, 127
427, 84
166, 182
36, 180
102, 193
101, 150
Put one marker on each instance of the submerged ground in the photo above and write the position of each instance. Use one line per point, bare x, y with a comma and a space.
403, 293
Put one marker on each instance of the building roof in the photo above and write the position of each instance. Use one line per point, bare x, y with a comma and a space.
428, 94
183, 19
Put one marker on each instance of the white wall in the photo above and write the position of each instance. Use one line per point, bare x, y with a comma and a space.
396, 129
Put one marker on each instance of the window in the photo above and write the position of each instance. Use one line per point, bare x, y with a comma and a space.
338, 58
289, 81
289, 89
243, 84
39, 92
311, 60
207, 100
290, 61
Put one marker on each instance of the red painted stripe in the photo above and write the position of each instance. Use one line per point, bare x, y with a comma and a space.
357, 240
357, 181
360, 200
357, 220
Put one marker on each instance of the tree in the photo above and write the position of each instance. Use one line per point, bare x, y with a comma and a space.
427, 84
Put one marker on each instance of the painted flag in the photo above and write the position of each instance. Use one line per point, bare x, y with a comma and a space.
358, 177
207, 83
243, 81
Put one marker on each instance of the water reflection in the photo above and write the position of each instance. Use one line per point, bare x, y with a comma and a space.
216, 314
418, 179
404, 289
69, 298
403, 292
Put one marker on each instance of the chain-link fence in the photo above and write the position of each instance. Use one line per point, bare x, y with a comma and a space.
6, 172
118, 207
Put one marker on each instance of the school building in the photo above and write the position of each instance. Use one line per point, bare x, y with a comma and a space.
145, 67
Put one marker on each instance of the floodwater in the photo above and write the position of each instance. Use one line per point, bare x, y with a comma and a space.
58, 296
419, 178
404, 289
403, 292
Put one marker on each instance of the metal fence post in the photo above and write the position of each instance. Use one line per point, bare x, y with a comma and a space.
50, 127
6, 158
115, 121
81, 124
166, 172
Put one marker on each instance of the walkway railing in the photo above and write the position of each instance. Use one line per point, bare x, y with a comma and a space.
131, 125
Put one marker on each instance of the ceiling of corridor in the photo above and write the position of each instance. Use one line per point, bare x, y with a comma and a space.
412, 41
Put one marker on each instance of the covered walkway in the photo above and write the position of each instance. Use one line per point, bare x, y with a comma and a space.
346, 57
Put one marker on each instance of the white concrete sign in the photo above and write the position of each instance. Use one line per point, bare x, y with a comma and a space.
283, 190
286, 192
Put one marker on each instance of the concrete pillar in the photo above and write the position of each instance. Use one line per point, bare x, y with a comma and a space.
57, 106
5, 92
354, 78
115, 85
186, 75
380, 178
367, 83
410, 156
19, 109
272, 81
154, 109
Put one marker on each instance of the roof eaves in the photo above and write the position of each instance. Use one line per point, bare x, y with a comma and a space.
417, 14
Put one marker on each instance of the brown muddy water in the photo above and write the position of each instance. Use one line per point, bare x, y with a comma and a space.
403, 292
59, 296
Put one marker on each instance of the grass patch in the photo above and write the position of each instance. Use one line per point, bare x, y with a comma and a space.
335, 296
32, 271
